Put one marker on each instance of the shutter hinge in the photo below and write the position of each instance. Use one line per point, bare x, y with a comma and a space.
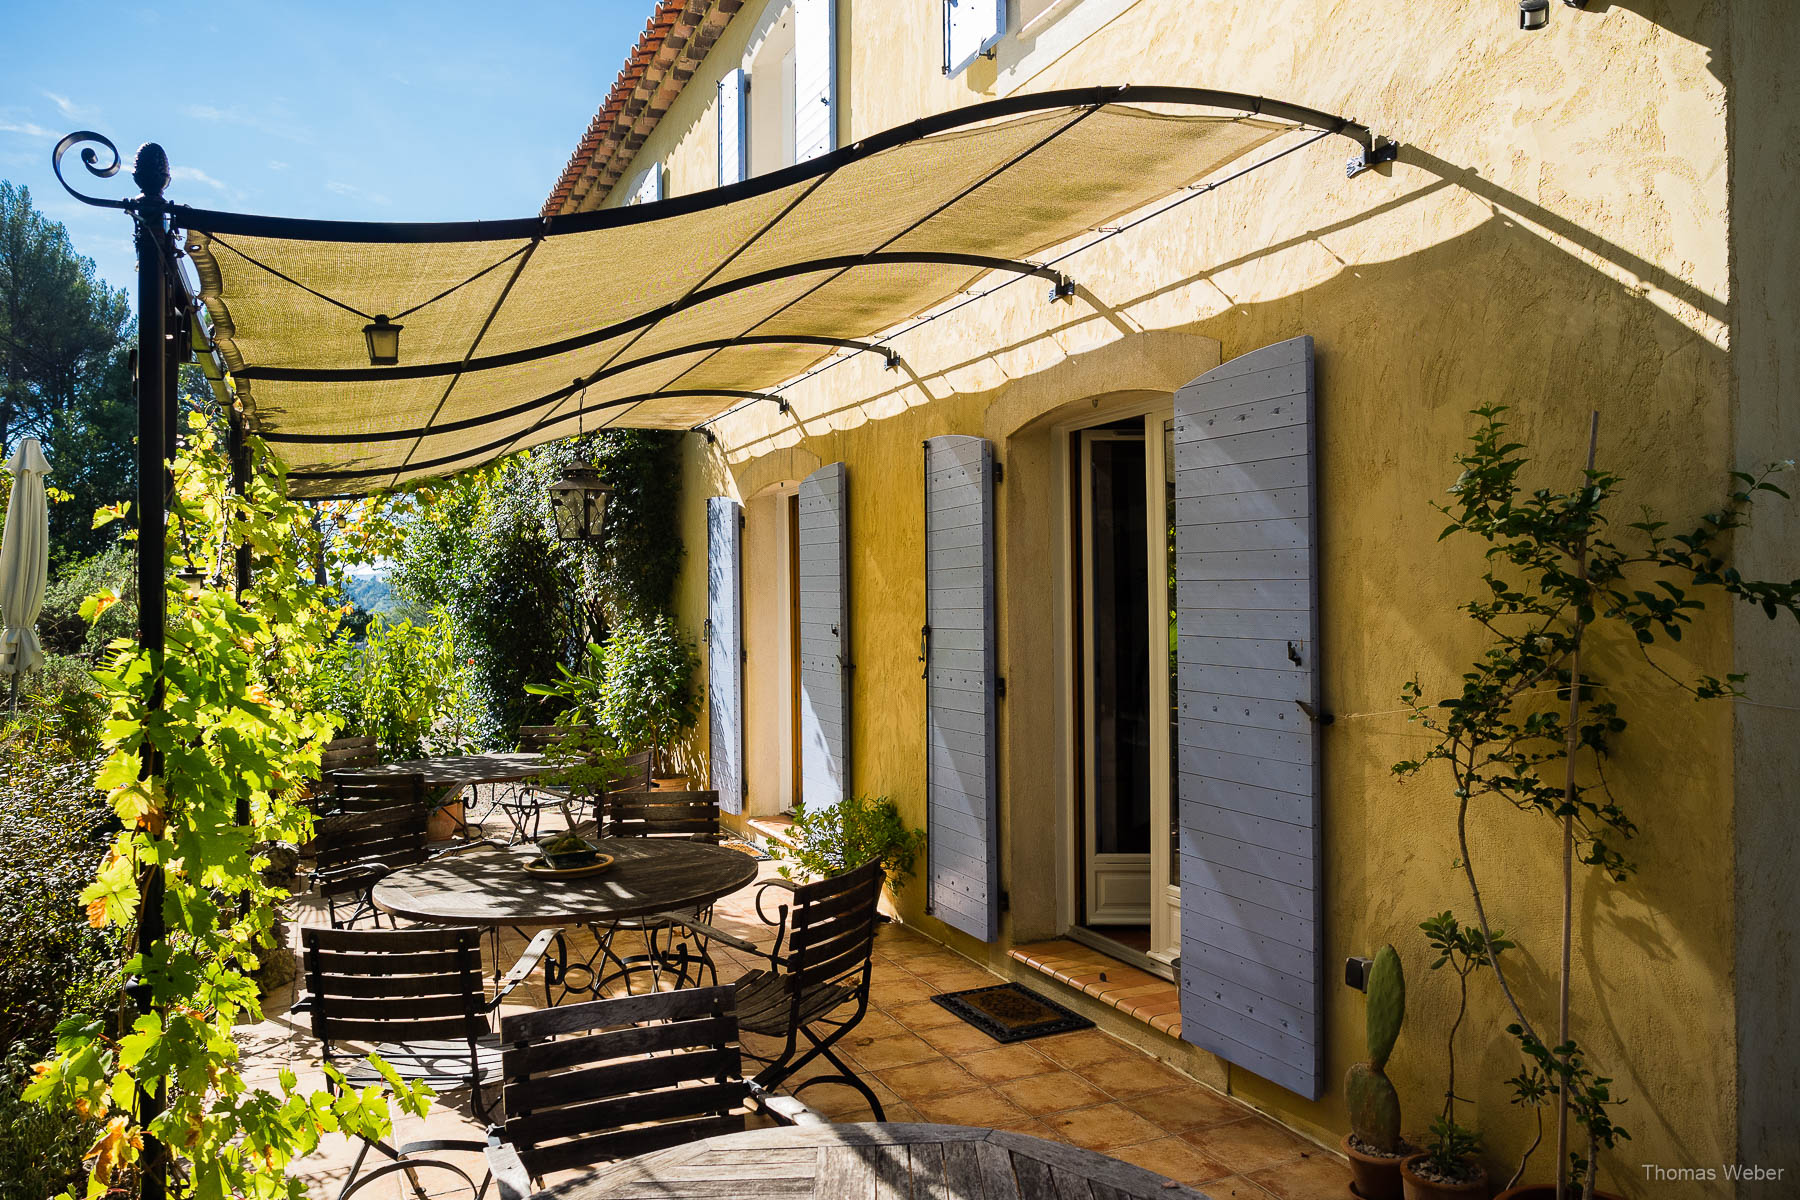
999, 471
1005, 900
1000, 686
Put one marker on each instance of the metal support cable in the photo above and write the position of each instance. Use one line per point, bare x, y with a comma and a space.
1193, 193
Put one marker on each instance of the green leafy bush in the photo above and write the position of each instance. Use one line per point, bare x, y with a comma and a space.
41, 1151
403, 687
54, 828
638, 687
834, 838
62, 627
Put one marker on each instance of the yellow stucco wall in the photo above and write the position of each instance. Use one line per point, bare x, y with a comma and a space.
1554, 238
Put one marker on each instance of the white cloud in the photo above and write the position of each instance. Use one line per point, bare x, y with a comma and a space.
353, 192
68, 108
196, 175
275, 164
25, 127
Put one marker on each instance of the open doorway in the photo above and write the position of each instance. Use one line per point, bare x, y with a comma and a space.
1126, 885
771, 645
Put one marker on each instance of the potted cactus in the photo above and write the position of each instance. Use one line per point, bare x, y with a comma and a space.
1373, 1145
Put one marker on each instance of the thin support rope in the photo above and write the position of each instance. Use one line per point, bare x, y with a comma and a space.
1194, 192
351, 308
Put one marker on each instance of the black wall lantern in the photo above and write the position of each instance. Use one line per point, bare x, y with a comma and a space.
578, 501
384, 342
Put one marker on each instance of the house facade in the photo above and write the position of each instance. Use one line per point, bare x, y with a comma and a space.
1114, 592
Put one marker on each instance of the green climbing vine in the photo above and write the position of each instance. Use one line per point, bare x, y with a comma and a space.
236, 721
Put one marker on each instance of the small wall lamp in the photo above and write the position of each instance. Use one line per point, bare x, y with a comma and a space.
1534, 14
384, 342
578, 502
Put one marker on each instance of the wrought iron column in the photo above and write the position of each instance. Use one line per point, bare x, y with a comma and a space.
156, 364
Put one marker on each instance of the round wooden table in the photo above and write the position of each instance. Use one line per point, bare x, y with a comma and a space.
469, 771
490, 887
829, 1162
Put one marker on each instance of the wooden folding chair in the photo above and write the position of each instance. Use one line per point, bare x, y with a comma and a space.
578, 1089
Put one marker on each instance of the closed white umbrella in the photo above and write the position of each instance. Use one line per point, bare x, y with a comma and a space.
24, 564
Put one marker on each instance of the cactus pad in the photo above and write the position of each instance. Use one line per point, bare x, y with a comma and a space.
1374, 1107
1387, 1005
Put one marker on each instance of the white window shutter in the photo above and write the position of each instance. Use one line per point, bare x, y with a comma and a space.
824, 554
1247, 626
961, 688
732, 150
725, 652
649, 187
815, 78
971, 27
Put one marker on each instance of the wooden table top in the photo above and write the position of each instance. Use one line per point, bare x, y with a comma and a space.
491, 886
874, 1162
465, 769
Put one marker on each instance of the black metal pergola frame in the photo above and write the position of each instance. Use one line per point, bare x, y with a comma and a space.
170, 332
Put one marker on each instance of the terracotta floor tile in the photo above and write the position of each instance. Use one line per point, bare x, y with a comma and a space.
901, 990
1179, 1110
1103, 1127
880, 1053
1082, 1049
876, 1024
960, 979
1237, 1187
1134, 1076
1054, 1092
1320, 1177
1249, 1145
920, 1015
958, 1039
922, 1081
1005, 1063
1178, 1160
982, 1107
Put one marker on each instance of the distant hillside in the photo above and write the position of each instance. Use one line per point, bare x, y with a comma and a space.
370, 593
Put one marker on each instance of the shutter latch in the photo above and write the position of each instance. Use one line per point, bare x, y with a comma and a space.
925, 650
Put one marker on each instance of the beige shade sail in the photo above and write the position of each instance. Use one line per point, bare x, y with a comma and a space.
665, 315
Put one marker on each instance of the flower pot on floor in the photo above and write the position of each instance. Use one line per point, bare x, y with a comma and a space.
1421, 1187
677, 783
1374, 1176
1546, 1191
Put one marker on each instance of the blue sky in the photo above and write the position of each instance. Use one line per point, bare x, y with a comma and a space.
382, 112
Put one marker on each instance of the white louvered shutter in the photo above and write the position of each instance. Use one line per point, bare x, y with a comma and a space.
961, 690
971, 27
815, 78
649, 186
732, 124
725, 651
825, 667
1247, 623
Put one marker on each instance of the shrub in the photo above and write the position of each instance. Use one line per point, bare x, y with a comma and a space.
834, 838
638, 688
41, 1152
401, 687
54, 827
61, 625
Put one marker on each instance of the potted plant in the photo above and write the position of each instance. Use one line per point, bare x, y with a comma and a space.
1555, 574
1448, 1167
836, 837
1374, 1145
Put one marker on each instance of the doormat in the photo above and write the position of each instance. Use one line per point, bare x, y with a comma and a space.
1012, 1012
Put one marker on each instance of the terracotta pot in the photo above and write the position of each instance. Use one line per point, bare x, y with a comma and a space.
1546, 1191
1373, 1176
678, 783
1416, 1188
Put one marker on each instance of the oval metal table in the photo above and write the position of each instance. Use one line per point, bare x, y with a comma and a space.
491, 888
831, 1162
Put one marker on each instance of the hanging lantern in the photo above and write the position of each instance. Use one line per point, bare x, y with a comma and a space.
384, 342
578, 501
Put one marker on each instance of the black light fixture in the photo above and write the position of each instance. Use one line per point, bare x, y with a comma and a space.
578, 501
383, 337
1534, 14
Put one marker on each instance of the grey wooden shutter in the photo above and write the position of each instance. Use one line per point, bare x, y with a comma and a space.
649, 186
725, 652
732, 125
824, 637
961, 703
971, 27
1252, 982
815, 78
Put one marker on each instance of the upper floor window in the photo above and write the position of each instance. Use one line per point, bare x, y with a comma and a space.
781, 106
